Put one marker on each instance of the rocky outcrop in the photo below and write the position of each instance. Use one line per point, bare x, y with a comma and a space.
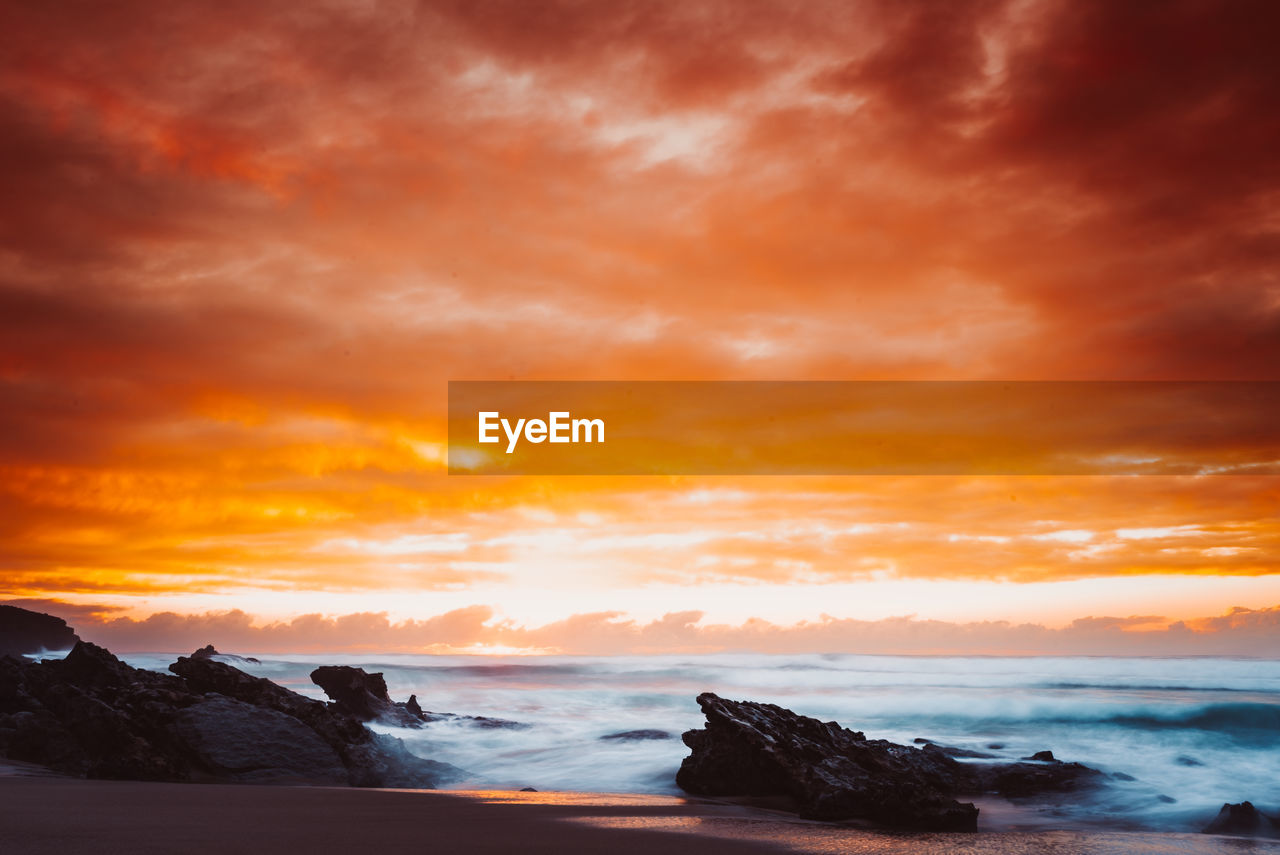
372, 760
237, 741
1243, 819
23, 631
209, 651
830, 772
635, 735
355, 692
92, 715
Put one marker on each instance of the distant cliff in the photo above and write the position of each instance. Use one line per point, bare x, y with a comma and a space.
23, 632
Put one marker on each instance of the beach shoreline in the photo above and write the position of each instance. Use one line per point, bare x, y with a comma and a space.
43, 815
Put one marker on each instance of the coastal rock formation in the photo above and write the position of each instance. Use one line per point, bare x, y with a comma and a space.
1243, 819
209, 651
92, 715
23, 631
830, 772
372, 760
635, 735
241, 742
358, 693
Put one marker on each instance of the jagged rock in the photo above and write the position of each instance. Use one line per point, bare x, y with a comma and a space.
206, 652
1042, 757
23, 631
371, 760
413, 707
1027, 780
953, 751
757, 749
209, 651
363, 695
831, 772
635, 735
528, 790
1244, 819
92, 715
241, 742
475, 720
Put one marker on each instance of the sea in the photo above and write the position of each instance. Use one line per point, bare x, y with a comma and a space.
1177, 737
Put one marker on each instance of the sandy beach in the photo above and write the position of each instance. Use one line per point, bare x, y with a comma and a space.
67, 816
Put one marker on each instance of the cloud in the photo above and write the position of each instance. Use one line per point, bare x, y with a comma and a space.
238, 267
1242, 632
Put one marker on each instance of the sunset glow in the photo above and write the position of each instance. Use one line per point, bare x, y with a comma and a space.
244, 247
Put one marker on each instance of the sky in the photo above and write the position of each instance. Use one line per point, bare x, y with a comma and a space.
244, 246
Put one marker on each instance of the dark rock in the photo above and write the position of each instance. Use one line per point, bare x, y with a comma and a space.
636, 735
757, 749
1244, 819
358, 693
829, 772
919, 740
953, 751
1042, 757
528, 790
475, 720
995, 746
92, 715
1184, 760
371, 760
209, 651
23, 631
413, 707
1027, 780
237, 741
1169, 800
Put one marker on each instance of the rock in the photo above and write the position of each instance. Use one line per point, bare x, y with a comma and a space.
635, 735
953, 751
758, 749
363, 695
23, 631
371, 760
1027, 780
1244, 819
830, 772
1121, 776
209, 651
475, 720
92, 715
1042, 757
528, 790
995, 746
1184, 760
1169, 800
413, 707
235, 740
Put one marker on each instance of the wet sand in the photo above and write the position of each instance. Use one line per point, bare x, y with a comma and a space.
67, 816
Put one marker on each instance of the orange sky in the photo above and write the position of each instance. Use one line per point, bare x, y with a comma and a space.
245, 245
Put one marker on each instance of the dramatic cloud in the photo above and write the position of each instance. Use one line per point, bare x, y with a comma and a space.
244, 245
